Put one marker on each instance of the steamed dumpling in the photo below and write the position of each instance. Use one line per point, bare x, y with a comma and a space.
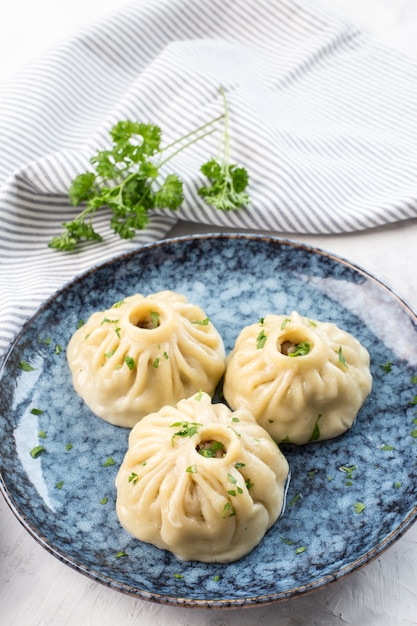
201, 481
143, 353
303, 380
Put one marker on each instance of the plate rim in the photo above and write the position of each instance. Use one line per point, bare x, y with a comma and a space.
182, 601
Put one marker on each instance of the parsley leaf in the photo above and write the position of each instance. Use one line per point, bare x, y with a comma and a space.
228, 182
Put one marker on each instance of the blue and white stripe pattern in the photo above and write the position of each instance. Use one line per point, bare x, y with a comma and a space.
323, 118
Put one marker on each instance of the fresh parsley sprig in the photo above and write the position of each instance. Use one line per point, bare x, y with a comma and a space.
228, 182
127, 178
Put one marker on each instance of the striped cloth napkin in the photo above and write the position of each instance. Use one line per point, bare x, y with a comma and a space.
323, 119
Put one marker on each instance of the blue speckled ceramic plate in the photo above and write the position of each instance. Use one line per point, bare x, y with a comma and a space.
65, 497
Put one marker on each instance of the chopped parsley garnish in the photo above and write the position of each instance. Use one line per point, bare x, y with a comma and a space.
192, 469
109, 354
130, 362
154, 318
359, 507
118, 304
249, 484
315, 435
414, 380
288, 542
261, 340
300, 349
188, 429
58, 348
80, 323
108, 462
199, 395
413, 433
295, 499
397, 484
104, 500
120, 554
68, 446
414, 400
107, 320
36, 411
179, 576
60, 484
133, 478
286, 440
285, 322
203, 322
239, 465
387, 366
216, 578
300, 550
387, 448
37, 451
228, 510
42, 434
348, 470
25, 366
155, 363
342, 359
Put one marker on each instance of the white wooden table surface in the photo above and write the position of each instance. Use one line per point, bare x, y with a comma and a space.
35, 588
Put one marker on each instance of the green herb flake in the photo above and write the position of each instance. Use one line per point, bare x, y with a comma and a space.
188, 429
312, 473
204, 322
348, 470
107, 320
300, 349
212, 450
68, 446
109, 354
133, 478
239, 465
120, 554
165, 356
37, 451
414, 380
342, 359
397, 485
199, 395
154, 318
414, 400
295, 499
130, 362
42, 434
235, 419
117, 331
413, 433
300, 550
104, 500
285, 440
315, 435
60, 484
231, 479
228, 510
387, 448
118, 304
25, 366
179, 576
58, 349
192, 469
359, 507
287, 542
285, 322
80, 323
36, 411
155, 364
249, 484
387, 366
47, 341
261, 340
108, 462
216, 578
232, 492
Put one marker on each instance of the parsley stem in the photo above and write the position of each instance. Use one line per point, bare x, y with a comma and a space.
192, 132
181, 148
